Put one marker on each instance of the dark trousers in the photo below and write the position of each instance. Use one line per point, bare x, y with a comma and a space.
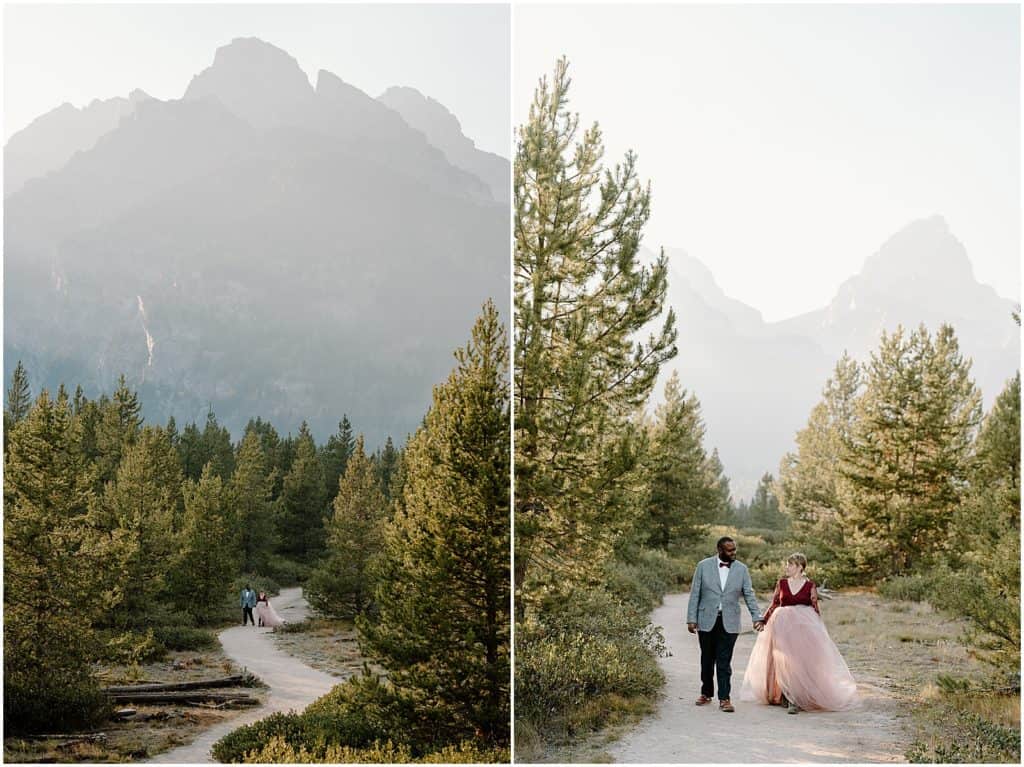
716, 655
247, 615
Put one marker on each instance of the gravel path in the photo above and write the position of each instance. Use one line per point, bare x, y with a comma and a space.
293, 685
680, 731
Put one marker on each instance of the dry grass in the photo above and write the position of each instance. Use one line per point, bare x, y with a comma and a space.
136, 741
326, 644
903, 648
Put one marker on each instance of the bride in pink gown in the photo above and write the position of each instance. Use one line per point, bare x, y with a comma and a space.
794, 660
266, 614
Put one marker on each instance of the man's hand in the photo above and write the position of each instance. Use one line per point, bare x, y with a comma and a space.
758, 625
691, 627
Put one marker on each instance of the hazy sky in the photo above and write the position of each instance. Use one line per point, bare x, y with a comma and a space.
786, 143
458, 54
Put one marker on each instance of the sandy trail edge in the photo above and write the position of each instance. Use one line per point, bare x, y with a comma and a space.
293, 685
680, 731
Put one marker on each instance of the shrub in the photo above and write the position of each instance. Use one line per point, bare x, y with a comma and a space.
559, 673
184, 638
285, 572
129, 647
917, 587
61, 700
277, 751
257, 582
355, 714
969, 739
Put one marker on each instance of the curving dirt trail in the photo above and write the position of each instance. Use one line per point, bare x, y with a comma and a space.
293, 685
680, 731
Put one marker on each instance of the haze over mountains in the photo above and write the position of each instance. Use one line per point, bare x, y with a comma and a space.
758, 381
261, 246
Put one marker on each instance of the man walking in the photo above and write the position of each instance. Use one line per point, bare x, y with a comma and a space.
713, 614
248, 600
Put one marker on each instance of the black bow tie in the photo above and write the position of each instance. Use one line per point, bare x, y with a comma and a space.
725, 564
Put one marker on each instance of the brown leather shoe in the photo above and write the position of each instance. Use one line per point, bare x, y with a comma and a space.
725, 705
703, 700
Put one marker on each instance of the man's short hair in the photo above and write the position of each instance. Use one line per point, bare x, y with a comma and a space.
724, 540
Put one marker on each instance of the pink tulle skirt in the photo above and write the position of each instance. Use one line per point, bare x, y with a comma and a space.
794, 656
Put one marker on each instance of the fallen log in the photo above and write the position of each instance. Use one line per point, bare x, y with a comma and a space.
183, 697
228, 681
69, 736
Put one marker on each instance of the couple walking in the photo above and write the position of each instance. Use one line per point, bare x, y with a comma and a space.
251, 601
794, 661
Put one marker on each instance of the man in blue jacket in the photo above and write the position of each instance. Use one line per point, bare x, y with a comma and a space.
713, 614
248, 600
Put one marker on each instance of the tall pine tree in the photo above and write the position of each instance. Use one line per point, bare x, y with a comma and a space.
143, 507
300, 520
251, 489
908, 453
811, 490
682, 494
443, 626
56, 567
582, 297
208, 556
343, 583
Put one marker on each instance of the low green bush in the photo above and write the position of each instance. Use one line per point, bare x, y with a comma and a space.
257, 582
128, 648
357, 715
286, 572
52, 700
917, 587
556, 674
185, 638
277, 751
969, 739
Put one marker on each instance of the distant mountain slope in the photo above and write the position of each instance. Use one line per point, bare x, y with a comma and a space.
758, 381
50, 140
443, 130
289, 252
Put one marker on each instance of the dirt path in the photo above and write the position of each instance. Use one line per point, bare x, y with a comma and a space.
293, 685
681, 732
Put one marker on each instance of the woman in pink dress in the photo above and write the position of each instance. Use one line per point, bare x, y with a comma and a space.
267, 615
794, 661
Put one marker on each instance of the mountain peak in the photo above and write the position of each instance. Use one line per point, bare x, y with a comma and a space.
257, 81
923, 250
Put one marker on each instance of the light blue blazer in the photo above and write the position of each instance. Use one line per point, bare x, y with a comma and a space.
706, 595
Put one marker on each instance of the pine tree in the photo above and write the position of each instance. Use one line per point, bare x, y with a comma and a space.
581, 299
811, 489
143, 506
300, 527
217, 449
386, 462
906, 460
208, 555
335, 455
19, 396
251, 489
681, 496
55, 567
443, 625
715, 472
191, 452
985, 587
763, 511
343, 583
118, 426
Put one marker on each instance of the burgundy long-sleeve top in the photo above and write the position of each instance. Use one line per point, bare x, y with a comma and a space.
783, 597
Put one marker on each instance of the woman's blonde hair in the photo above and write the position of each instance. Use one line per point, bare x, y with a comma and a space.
798, 559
